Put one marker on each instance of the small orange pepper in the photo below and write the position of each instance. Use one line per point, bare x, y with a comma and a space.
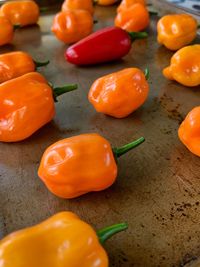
125, 4
6, 31
77, 165
185, 66
135, 18
72, 25
78, 4
189, 131
26, 104
23, 13
106, 2
177, 30
15, 64
120, 93
60, 241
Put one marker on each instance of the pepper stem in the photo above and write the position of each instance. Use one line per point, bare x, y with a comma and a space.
16, 26
107, 232
39, 64
137, 35
62, 90
118, 152
146, 73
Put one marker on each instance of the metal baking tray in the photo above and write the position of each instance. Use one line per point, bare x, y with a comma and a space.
158, 186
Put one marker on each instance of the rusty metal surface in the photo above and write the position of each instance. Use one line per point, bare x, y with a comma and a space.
158, 187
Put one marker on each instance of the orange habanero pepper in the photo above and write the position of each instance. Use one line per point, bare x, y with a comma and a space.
15, 64
120, 93
72, 25
135, 18
185, 66
125, 4
177, 30
26, 104
189, 131
77, 165
78, 4
23, 13
6, 31
61, 240
106, 2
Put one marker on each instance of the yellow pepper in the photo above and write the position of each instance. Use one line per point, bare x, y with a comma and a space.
63, 240
185, 66
176, 31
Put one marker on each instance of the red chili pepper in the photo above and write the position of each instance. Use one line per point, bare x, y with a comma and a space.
105, 45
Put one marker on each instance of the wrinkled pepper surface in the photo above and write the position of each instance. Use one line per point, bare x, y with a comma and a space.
185, 66
26, 104
72, 25
177, 30
6, 31
189, 131
106, 2
135, 18
78, 4
77, 165
60, 241
120, 93
15, 64
104, 45
23, 13
125, 4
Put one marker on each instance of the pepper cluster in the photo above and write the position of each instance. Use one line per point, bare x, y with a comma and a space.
81, 164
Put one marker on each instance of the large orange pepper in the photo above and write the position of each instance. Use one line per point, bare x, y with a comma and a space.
15, 64
78, 4
6, 31
120, 93
72, 25
135, 18
125, 4
185, 66
106, 2
26, 104
176, 31
23, 13
63, 240
189, 131
77, 165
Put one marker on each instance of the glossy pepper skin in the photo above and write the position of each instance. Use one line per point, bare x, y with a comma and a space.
26, 104
60, 241
78, 4
72, 25
77, 165
185, 66
189, 131
6, 31
176, 31
15, 64
120, 93
107, 44
135, 18
106, 2
125, 4
23, 13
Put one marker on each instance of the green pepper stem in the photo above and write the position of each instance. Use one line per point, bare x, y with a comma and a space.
152, 12
137, 35
39, 64
146, 73
118, 152
62, 90
16, 26
107, 232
